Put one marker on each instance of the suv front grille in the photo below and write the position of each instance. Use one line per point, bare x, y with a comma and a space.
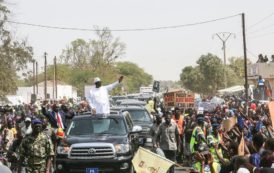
92, 152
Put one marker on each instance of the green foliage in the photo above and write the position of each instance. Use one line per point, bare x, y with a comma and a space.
207, 76
97, 57
192, 79
93, 54
211, 69
14, 56
83, 60
77, 54
135, 76
236, 64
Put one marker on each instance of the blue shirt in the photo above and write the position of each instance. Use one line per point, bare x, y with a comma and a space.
255, 159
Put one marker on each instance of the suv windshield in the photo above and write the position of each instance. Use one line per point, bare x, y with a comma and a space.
139, 115
82, 127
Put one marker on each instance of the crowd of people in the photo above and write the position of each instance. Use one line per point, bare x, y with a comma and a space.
30, 133
236, 136
203, 140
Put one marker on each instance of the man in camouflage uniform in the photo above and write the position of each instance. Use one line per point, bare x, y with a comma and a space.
36, 150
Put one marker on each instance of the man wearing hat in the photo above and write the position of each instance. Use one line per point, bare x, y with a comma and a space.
99, 98
37, 150
26, 129
198, 139
198, 134
214, 141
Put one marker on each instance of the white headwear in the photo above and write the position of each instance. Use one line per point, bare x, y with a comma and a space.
28, 119
97, 79
243, 170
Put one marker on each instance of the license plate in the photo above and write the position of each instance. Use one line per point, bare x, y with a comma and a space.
92, 170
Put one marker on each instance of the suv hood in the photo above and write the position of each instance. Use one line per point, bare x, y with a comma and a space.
97, 139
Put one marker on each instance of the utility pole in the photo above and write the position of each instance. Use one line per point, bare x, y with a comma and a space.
55, 77
224, 36
45, 76
245, 63
36, 78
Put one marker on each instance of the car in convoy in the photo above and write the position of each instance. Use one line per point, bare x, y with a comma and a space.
98, 143
140, 117
132, 102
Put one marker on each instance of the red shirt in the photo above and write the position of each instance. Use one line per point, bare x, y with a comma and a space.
253, 106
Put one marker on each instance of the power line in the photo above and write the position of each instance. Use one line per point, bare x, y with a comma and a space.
119, 30
263, 28
262, 35
251, 53
260, 21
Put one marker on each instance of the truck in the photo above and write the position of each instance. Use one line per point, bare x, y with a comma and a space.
98, 143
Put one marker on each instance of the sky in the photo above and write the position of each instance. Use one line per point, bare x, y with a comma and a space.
161, 53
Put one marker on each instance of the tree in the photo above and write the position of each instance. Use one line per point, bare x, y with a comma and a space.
211, 68
233, 78
106, 49
83, 60
14, 56
135, 76
205, 78
96, 53
192, 79
237, 65
77, 54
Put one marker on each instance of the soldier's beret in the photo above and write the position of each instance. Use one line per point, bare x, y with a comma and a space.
36, 121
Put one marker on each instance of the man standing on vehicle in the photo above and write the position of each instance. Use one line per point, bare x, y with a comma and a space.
98, 97
169, 139
261, 87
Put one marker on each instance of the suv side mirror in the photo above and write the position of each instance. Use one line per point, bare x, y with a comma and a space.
136, 129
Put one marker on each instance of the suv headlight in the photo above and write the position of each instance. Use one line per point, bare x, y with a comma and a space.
63, 149
122, 148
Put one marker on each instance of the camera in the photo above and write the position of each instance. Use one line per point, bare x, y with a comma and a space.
206, 155
204, 150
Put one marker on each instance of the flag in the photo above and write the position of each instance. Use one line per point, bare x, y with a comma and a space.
146, 161
241, 148
59, 120
271, 110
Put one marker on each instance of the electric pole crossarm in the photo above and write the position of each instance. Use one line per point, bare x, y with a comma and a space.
224, 36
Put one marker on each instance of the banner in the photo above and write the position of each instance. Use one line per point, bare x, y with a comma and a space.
184, 100
179, 98
241, 148
271, 111
169, 99
229, 123
146, 161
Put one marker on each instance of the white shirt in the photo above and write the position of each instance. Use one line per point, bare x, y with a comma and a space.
99, 99
26, 130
